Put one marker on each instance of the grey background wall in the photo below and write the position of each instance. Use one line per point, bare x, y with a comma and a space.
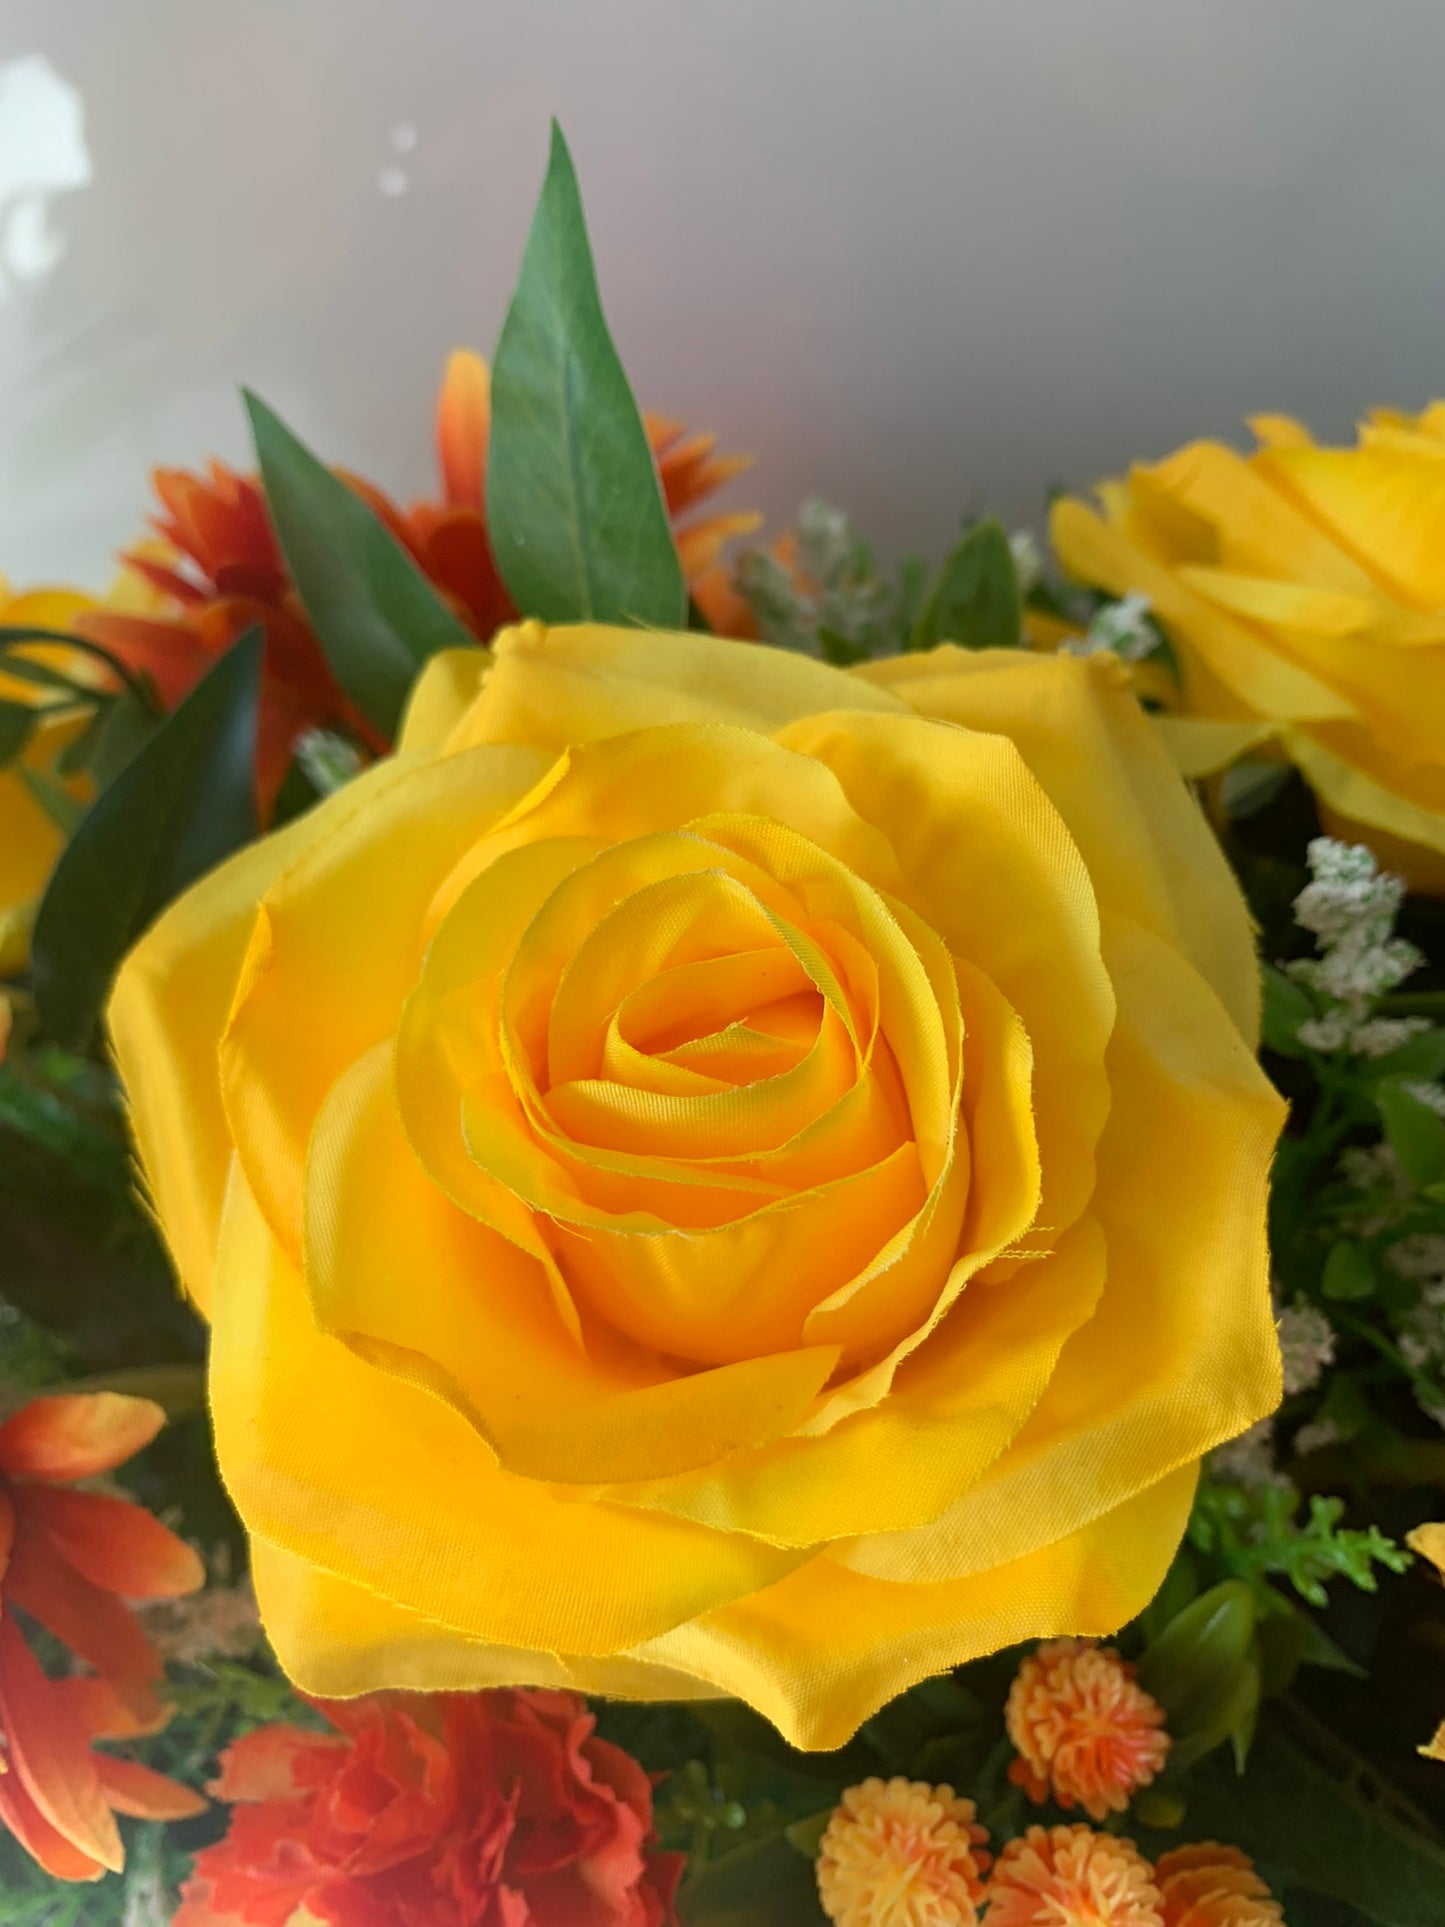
911, 255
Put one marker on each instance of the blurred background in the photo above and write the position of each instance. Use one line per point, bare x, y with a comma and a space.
913, 257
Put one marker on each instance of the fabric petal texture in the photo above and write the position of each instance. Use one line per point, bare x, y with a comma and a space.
1302, 592
713, 1174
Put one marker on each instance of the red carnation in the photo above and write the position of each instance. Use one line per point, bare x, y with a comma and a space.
496, 1809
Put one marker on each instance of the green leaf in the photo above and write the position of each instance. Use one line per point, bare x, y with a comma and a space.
1349, 1272
184, 802
16, 722
1204, 1671
768, 1883
975, 600
1246, 787
1321, 1834
120, 734
1419, 1060
56, 801
575, 512
1415, 1132
1285, 1008
376, 615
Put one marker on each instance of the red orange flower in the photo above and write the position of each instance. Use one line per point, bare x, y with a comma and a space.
493, 1809
1085, 1731
1072, 1877
899, 1853
219, 570
69, 1558
1207, 1885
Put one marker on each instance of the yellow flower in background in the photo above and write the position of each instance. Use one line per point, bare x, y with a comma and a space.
30, 837
1303, 591
712, 1174
1429, 1542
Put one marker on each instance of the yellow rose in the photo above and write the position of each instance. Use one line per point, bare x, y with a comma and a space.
1303, 591
30, 838
714, 1175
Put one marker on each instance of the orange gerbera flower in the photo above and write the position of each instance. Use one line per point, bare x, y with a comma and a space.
899, 1853
1085, 1731
219, 569
1207, 1885
1072, 1877
69, 1558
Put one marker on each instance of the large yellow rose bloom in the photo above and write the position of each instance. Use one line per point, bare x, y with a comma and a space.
1303, 591
714, 1175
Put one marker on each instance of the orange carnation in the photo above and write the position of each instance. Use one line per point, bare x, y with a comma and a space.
1207, 1885
1085, 1731
902, 1854
492, 1809
1072, 1877
69, 1559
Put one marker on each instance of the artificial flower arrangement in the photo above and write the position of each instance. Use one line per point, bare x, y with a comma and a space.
809, 1205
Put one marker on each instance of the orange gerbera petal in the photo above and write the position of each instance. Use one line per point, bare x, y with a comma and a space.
50, 1849
1072, 1877
170, 653
131, 1788
50, 1753
464, 421
100, 1710
1085, 1731
75, 1435
113, 1543
7, 1529
1207, 1885
92, 1623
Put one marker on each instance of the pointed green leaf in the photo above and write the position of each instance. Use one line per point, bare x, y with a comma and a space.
54, 798
975, 600
1286, 1007
1196, 1667
16, 722
1349, 1272
1320, 1833
574, 507
186, 800
1416, 1134
767, 1883
376, 615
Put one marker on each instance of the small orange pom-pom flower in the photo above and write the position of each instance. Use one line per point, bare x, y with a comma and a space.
898, 1853
1207, 1885
1084, 1729
1072, 1877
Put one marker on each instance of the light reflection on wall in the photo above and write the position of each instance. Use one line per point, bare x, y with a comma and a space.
42, 154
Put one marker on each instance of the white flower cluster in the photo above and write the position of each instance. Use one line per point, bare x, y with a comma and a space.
220, 1622
1422, 1330
1307, 1345
833, 589
328, 761
1121, 628
1027, 559
1349, 907
1249, 1460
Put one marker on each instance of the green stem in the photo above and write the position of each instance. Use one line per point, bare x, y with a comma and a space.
12, 634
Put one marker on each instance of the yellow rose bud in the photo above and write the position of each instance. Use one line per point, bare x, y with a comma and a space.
1303, 591
711, 1174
